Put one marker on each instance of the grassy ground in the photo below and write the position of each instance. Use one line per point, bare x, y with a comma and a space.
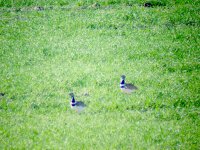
85, 48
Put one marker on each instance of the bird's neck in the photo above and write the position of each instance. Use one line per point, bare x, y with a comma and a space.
122, 83
73, 102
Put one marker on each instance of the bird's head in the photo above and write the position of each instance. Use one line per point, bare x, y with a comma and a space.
71, 94
123, 77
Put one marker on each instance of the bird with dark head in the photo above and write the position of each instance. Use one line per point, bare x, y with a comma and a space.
76, 105
126, 87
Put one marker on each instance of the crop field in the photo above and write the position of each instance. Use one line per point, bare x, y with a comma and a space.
51, 48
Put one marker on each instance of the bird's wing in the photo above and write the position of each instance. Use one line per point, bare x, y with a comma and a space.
79, 103
131, 86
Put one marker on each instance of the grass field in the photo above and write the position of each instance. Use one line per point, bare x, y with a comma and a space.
85, 47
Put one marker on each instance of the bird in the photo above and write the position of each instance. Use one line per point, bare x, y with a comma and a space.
76, 105
126, 87
148, 4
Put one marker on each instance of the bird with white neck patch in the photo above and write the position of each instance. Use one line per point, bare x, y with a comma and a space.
76, 105
126, 87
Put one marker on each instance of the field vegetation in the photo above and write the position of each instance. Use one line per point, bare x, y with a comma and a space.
51, 48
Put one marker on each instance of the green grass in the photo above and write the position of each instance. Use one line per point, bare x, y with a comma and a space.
78, 47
